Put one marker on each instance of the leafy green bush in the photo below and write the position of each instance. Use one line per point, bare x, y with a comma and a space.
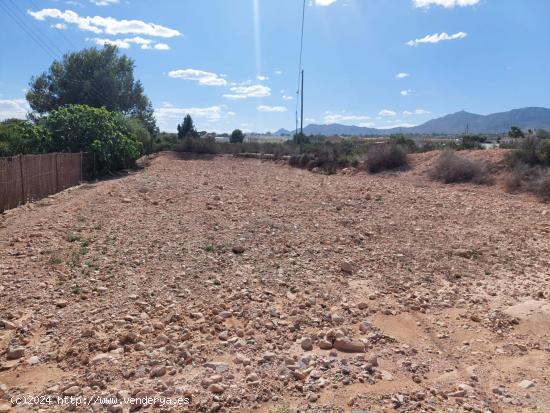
80, 128
451, 168
21, 137
138, 130
385, 156
405, 142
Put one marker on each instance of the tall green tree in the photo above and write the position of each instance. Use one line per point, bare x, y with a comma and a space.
187, 128
516, 132
93, 77
237, 136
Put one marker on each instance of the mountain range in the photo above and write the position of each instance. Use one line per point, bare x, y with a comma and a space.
456, 123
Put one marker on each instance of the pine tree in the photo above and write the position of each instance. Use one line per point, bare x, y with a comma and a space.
187, 128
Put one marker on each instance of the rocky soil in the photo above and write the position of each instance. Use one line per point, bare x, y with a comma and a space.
250, 286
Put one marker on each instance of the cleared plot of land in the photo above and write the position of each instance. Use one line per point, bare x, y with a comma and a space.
206, 277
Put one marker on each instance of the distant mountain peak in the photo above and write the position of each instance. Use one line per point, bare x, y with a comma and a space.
282, 132
452, 124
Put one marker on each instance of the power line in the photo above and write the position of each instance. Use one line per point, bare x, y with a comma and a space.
22, 25
47, 45
67, 38
300, 63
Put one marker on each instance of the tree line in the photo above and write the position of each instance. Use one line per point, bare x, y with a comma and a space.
87, 102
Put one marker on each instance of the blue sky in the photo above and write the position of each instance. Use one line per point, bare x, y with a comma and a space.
234, 63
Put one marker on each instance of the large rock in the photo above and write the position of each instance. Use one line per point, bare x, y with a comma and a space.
526, 384
349, 346
306, 344
215, 388
15, 353
346, 267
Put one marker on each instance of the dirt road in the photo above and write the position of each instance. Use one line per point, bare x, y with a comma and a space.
251, 286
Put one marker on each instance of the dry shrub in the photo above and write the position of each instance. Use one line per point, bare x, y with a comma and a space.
451, 168
520, 177
385, 157
532, 151
512, 182
541, 186
534, 179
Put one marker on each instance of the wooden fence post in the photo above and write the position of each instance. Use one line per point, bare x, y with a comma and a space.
22, 182
56, 173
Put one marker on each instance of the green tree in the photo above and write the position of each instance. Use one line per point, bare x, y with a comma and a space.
187, 128
138, 130
516, 132
93, 77
21, 137
473, 141
237, 136
76, 128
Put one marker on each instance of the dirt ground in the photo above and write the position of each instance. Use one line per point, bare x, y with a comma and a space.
244, 285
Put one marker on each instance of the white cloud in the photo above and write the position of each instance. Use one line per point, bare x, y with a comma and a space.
324, 2
204, 78
416, 112
261, 78
406, 92
13, 108
234, 97
445, 3
145, 44
208, 113
387, 112
277, 109
169, 117
120, 43
104, 2
402, 75
60, 26
436, 38
285, 96
367, 124
107, 25
278, 72
340, 118
399, 125
253, 91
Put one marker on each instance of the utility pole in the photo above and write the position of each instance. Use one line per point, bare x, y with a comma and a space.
302, 117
